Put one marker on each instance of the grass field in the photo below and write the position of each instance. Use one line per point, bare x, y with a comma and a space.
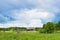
28, 36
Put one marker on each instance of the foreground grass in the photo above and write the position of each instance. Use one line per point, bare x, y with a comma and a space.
28, 36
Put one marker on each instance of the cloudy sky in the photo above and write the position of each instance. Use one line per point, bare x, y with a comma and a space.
28, 13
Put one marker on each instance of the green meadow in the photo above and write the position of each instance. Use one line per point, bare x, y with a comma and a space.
28, 35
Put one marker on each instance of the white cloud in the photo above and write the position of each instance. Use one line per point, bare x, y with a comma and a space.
35, 23
12, 24
43, 10
1, 25
32, 23
33, 14
30, 18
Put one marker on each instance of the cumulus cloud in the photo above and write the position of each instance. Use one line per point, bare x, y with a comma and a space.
1, 25
33, 14
12, 24
35, 23
31, 18
29, 12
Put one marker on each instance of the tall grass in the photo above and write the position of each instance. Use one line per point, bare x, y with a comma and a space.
28, 36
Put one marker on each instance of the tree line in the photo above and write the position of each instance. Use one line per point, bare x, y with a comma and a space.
13, 29
48, 27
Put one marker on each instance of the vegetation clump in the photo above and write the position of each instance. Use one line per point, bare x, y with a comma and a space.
50, 27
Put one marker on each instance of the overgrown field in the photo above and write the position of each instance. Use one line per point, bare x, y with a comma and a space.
28, 36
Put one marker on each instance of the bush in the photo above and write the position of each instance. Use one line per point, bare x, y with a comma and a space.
48, 28
42, 31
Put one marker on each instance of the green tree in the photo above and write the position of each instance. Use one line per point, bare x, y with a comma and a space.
50, 27
44, 25
58, 25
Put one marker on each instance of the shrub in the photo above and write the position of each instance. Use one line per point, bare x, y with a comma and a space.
48, 28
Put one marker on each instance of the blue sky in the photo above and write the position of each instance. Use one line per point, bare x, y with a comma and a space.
28, 13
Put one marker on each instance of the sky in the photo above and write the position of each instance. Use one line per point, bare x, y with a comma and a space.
28, 13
